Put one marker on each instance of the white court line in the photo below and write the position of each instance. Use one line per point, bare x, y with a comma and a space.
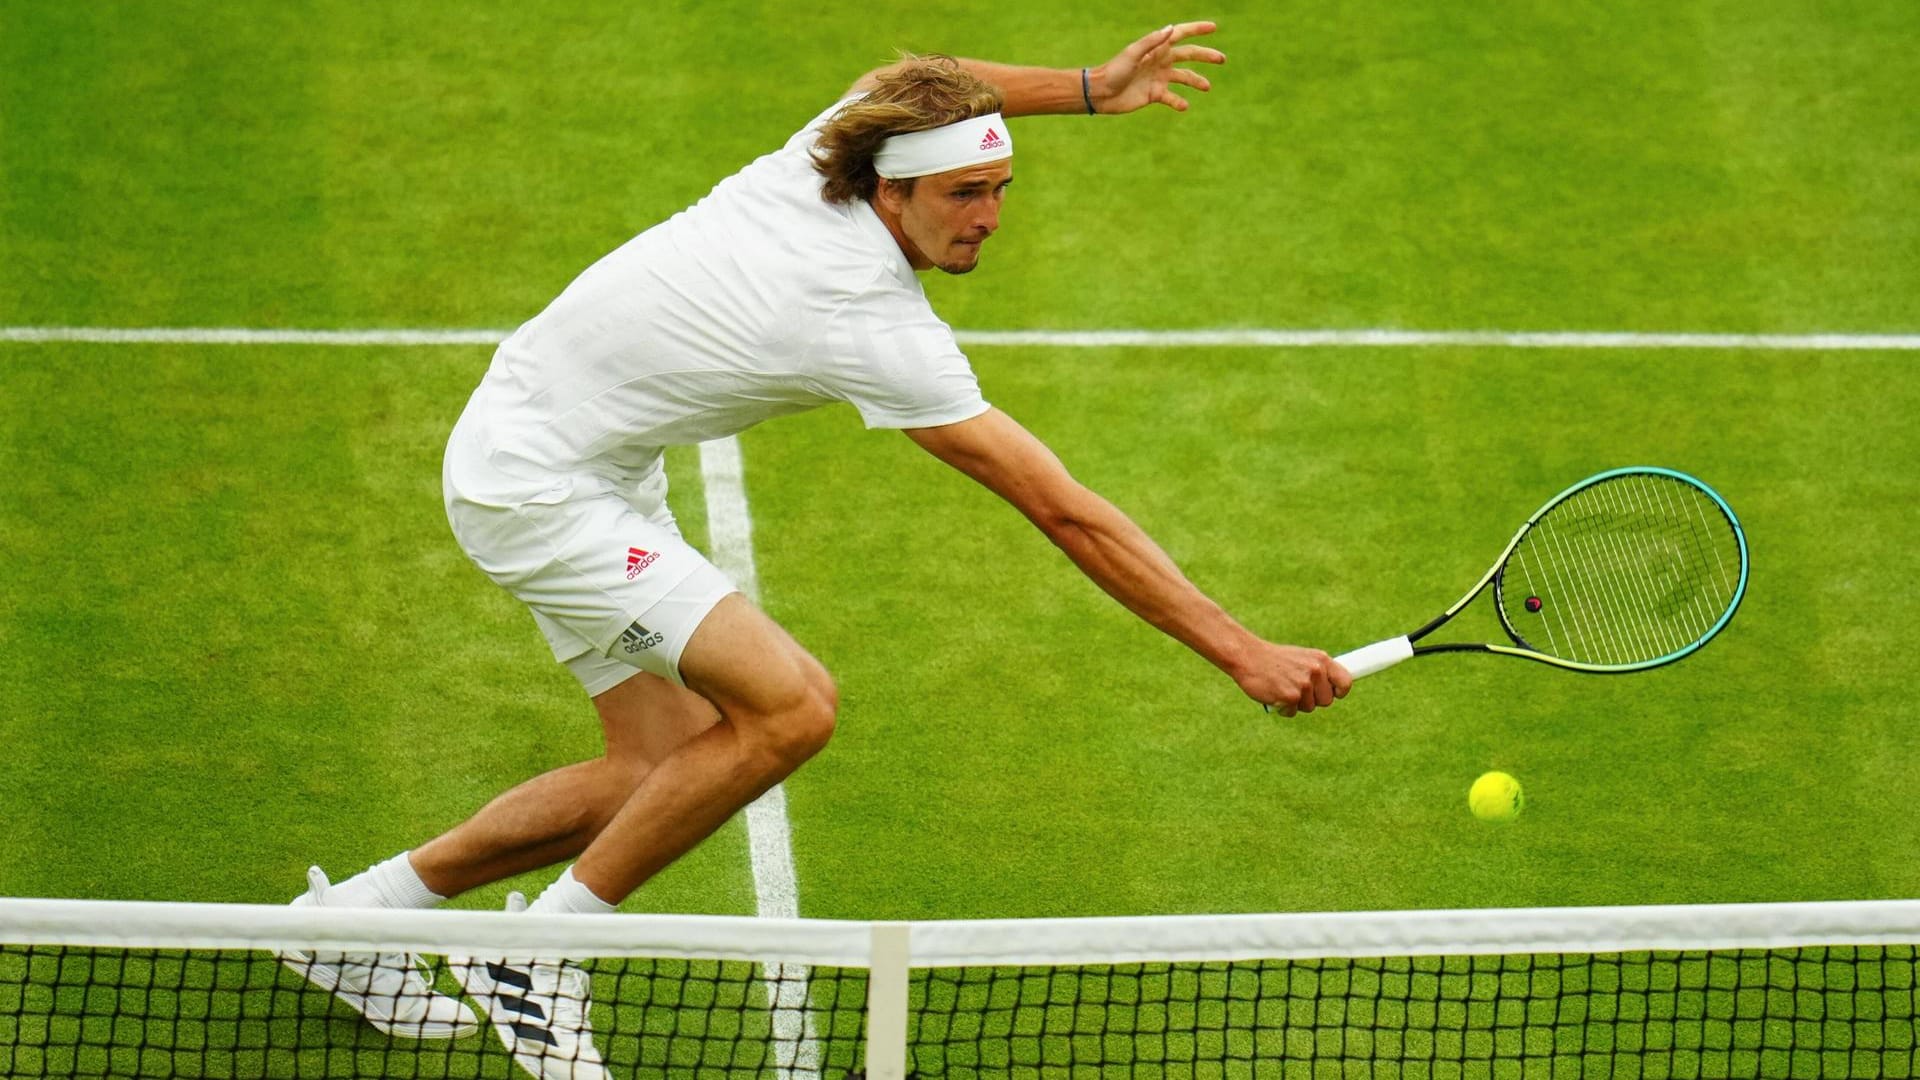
1486, 339
230, 335
1072, 339
769, 840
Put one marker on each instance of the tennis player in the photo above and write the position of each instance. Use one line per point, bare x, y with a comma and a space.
790, 286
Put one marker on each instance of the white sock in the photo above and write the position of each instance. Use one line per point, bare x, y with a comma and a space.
567, 896
391, 884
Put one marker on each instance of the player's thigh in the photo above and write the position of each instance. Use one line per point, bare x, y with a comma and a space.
646, 718
748, 666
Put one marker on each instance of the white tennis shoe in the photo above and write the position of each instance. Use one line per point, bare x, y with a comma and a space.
389, 989
539, 1009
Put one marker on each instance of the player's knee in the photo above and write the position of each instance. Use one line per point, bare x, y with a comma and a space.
825, 689
806, 728
801, 727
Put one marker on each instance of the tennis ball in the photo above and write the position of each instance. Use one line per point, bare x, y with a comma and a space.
1496, 797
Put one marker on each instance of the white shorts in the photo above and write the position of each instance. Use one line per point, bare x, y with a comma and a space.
613, 586
653, 641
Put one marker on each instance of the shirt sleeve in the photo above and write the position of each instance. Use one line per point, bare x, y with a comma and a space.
891, 358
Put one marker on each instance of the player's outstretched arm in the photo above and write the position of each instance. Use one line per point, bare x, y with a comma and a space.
1140, 75
1109, 548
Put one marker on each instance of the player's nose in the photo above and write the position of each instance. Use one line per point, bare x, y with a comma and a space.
987, 215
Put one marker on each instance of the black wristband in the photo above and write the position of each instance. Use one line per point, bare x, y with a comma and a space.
1086, 90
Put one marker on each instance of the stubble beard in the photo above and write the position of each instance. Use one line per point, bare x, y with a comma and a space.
956, 268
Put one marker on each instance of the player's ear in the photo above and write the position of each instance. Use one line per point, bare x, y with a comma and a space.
893, 194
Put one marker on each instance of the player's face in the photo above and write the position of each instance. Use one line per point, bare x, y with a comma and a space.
950, 214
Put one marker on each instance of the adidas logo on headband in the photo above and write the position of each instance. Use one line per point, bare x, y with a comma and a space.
955, 146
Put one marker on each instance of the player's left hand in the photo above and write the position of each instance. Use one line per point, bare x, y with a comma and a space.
1143, 72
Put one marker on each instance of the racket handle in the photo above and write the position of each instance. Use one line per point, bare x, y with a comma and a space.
1378, 656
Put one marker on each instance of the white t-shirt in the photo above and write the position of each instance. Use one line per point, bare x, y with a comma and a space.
760, 300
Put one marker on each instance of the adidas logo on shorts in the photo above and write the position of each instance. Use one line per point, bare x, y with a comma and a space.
637, 638
639, 559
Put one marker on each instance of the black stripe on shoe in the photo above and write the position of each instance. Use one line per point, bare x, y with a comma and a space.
520, 1005
534, 1032
514, 977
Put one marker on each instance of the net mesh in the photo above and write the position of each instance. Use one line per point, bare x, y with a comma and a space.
1634, 568
1801, 1012
1817, 1009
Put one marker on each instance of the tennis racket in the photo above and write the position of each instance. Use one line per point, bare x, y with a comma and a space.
1624, 571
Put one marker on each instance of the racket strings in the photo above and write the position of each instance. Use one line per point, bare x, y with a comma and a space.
1637, 567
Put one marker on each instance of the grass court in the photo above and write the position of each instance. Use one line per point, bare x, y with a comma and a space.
236, 636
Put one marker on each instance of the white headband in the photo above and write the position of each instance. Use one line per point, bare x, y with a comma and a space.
922, 153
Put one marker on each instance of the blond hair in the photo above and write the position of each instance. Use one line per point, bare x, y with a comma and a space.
917, 94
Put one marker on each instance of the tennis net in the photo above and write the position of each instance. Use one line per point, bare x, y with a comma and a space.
93, 988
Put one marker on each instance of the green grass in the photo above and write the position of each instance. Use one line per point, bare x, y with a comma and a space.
1702, 165
220, 534
229, 612
233, 607
236, 638
1160, 789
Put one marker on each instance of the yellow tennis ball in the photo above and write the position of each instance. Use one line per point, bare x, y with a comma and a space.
1496, 797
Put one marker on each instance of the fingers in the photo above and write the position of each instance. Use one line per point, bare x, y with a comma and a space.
1146, 67
1297, 698
1139, 50
1322, 689
1316, 691
1195, 54
1190, 78
1168, 35
1330, 680
1309, 679
1311, 691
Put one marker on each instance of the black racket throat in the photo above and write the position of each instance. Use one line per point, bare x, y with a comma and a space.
1453, 646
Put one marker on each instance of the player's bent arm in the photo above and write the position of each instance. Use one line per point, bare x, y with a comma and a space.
1027, 91
1119, 557
1138, 76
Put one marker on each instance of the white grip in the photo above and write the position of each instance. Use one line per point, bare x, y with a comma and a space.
1378, 656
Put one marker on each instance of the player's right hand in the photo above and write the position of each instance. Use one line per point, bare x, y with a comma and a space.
1289, 679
